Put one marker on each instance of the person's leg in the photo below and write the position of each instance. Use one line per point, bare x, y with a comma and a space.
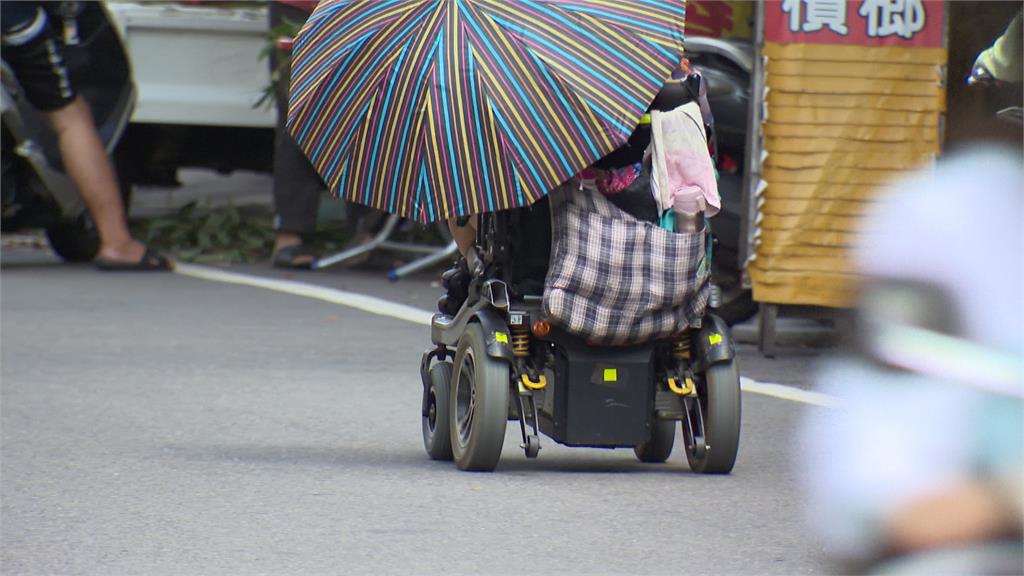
35, 54
464, 236
455, 280
89, 167
297, 190
297, 186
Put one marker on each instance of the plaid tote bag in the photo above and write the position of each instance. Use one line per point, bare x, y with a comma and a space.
613, 279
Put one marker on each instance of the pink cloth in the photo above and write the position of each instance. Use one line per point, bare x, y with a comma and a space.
682, 175
613, 181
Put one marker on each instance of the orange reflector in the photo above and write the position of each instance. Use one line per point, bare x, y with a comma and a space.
541, 328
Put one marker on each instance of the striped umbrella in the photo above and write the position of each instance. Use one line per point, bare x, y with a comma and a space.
439, 108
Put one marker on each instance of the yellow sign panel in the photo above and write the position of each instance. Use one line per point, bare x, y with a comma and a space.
611, 375
841, 125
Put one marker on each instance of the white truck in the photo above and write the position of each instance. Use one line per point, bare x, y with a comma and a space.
199, 75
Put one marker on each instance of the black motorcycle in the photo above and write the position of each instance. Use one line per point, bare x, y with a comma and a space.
36, 191
727, 67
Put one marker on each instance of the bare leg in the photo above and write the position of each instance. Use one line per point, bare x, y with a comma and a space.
464, 236
90, 169
301, 259
284, 239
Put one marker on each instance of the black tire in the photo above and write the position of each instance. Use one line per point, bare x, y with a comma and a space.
74, 240
737, 306
719, 397
658, 448
78, 240
737, 303
532, 447
125, 168
478, 405
437, 436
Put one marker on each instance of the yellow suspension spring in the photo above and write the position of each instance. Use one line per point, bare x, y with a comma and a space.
681, 348
520, 341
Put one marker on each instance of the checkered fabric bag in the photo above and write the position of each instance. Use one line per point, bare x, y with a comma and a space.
616, 280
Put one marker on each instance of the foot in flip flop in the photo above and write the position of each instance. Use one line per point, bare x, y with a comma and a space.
151, 261
294, 257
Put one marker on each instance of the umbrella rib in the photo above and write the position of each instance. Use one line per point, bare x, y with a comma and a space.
574, 55
517, 86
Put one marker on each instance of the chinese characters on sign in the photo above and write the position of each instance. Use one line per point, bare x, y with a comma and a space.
886, 17
831, 13
887, 22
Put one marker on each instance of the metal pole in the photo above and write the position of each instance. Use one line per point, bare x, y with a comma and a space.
752, 162
380, 238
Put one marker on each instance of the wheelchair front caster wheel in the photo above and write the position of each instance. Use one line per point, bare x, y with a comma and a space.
659, 447
532, 446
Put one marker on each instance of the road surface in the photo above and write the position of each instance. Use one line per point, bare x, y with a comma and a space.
167, 424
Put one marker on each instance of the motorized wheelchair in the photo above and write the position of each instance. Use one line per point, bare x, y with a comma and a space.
497, 358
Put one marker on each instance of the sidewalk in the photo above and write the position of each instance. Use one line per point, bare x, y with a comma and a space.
203, 186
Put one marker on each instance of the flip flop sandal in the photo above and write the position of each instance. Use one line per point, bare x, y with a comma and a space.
151, 261
295, 257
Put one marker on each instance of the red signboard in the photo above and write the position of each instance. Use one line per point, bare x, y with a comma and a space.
720, 18
917, 23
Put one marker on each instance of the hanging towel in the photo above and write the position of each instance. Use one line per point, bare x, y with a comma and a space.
682, 166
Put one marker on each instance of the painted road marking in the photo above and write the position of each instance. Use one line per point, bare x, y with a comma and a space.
788, 393
415, 315
362, 302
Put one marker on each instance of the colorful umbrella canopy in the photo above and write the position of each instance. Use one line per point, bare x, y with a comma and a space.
440, 108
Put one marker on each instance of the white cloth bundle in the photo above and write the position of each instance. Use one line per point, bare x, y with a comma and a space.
682, 174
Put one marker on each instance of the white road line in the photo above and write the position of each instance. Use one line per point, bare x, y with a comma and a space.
383, 307
362, 302
788, 393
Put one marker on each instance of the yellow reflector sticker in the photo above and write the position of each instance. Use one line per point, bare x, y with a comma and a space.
501, 337
611, 375
715, 339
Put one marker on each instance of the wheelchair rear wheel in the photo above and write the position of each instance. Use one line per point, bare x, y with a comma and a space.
478, 403
437, 439
719, 404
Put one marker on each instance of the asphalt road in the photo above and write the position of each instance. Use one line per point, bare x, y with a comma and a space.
163, 424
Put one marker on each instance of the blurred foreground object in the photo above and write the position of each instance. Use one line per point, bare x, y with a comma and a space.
1000, 66
925, 458
1003, 60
